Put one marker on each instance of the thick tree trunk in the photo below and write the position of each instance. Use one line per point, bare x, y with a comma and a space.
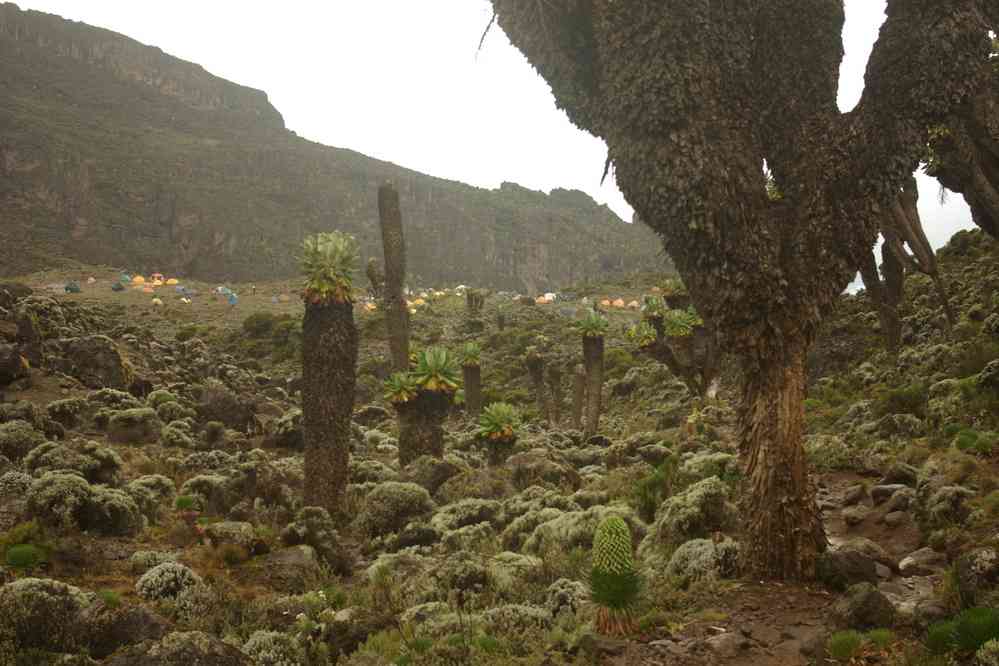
421, 426
536, 372
694, 359
555, 391
329, 359
784, 533
472, 375
593, 359
394, 247
578, 396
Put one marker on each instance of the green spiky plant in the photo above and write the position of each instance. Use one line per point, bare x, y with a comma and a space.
329, 363
499, 422
401, 387
614, 582
674, 287
471, 371
470, 354
642, 334
652, 307
592, 325
498, 427
436, 370
328, 261
681, 323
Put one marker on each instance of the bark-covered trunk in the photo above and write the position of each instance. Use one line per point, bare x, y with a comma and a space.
421, 425
472, 375
891, 325
783, 529
498, 450
593, 359
329, 359
578, 396
536, 372
555, 393
394, 247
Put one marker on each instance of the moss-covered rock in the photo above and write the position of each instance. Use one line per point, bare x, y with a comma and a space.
40, 613
391, 505
181, 649
65, 500
273, 648
703, 558
151, 493
166, 581
135, 426
698, 511
18, 438
160, 397
314, 526
466, 512
178, 434
96, 463
574, 529
70, 412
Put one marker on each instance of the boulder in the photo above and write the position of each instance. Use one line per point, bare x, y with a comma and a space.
96, 361
13, 366
922, 562
108, 628
864, 607
294, 569
187, 648
839, 569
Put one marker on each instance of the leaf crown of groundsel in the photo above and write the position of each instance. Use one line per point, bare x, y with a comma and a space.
499, 421
328, 261
401, 387
680, 323
592, 325
471, 353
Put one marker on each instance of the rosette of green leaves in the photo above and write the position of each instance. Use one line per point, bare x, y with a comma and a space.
681, 323
401, 387
436, 370
328, 261
592, 325
499, 422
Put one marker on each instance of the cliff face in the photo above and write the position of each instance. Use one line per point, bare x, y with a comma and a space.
115, 152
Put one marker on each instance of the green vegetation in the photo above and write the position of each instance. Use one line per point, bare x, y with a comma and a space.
592, 325
25, 556
844, 645
499, 422
471, 354
401, 387
614, 583
436, 370
328, 261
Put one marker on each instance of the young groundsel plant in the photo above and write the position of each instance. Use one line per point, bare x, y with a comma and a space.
614, 583
499, 422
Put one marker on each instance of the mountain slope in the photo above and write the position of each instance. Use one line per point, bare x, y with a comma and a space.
115, 152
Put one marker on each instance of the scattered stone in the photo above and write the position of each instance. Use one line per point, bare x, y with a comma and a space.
881, 494
922, 562
863, 607
854, 515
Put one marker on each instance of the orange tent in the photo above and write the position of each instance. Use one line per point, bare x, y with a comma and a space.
148, 290
606, 303
619, 303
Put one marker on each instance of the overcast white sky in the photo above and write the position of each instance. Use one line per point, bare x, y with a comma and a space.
402, 81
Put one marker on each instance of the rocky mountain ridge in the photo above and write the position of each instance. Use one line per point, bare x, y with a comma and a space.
114, 152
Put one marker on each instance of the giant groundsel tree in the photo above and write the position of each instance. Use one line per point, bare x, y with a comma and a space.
692, 97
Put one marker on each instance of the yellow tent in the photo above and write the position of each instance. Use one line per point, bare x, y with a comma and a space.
284, 298
419, 301
157, 283
633, 305
91, 280
172, 281
138, 279
157, 301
